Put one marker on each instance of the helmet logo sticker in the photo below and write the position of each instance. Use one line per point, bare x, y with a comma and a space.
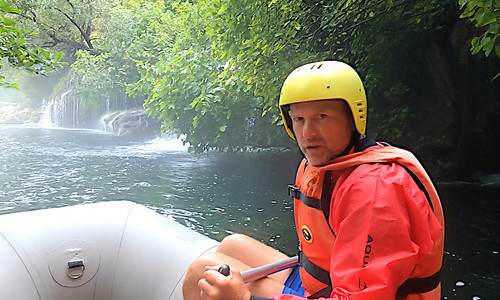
306, 233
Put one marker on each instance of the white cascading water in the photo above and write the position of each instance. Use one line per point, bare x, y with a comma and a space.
54, 110
108, 120
46, 118
64, 110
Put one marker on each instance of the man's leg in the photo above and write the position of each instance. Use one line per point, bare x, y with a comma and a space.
243, 253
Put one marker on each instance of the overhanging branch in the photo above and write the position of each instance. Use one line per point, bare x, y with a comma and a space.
84, 35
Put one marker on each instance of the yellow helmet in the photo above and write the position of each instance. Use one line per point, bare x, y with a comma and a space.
324, 80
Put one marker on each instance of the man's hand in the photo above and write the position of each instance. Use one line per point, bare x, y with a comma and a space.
215, 286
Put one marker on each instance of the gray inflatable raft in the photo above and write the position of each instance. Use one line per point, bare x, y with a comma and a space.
109, 250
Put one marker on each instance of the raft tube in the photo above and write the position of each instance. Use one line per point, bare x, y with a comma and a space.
107, 250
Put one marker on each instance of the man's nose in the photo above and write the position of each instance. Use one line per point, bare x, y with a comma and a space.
310, 129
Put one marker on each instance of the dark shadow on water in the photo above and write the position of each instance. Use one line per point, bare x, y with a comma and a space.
471, 266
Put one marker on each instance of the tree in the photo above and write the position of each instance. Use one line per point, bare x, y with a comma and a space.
408, 52
484, 14
197, 94
259, 43
212, 69
20, 53
131, 37
63, 24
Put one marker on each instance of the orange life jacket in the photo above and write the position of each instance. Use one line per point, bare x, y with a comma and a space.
313, 194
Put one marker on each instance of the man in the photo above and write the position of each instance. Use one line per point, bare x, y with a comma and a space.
369, 221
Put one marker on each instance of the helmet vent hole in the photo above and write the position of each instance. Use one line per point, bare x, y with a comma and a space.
320, 66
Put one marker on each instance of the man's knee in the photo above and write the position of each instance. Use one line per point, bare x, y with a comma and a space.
198, 265
195, 272
231, 243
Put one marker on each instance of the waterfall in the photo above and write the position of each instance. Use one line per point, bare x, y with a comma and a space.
66, 109
46, 118
108, 121
130, 122
54, 111
59, 110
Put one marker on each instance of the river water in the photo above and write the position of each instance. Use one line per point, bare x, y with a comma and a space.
219, 193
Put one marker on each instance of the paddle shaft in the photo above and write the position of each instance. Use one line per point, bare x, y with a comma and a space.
265, 270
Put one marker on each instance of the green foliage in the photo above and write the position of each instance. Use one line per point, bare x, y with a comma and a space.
389, 43
18, 52
259, 43
98, 80
254, 45
102, 77
62, 24
197, 94
261, 39
212, 70
485, 14
130, 37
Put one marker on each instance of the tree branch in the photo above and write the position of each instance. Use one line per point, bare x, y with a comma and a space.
71, 4
340, 8
33, 19
84, 35
389, 9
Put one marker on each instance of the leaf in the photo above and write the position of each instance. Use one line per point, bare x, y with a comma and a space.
8, 8
222, 9
271, 3
58, 55
8, 22
223, 128
485, 18
475, 42
488, 45
494, 78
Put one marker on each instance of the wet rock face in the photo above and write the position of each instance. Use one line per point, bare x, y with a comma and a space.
131, 123
14, 113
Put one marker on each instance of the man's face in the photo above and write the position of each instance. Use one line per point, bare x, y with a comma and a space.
323, 129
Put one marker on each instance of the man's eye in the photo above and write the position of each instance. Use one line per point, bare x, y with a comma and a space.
322, 116
297, 119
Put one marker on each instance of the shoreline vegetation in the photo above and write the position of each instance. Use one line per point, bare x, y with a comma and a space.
212, 70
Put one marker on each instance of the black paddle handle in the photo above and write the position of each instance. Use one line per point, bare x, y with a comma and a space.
224, 270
